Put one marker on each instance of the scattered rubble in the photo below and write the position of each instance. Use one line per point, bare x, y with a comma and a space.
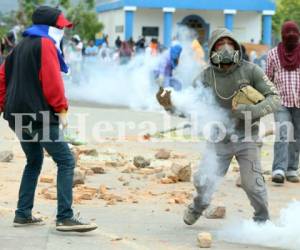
163, 154
215, 212
50, 195
178, 156
111, 198
141, 162
82, 192
149, 171
98, 170
6, 156
121, 179
182, 171
90, 152
102, 189
46, 179
79, 177
129, 168
204, 240
179, 197
167, 180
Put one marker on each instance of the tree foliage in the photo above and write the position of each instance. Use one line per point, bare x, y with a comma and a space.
7, 21
85, 19
286, 10
83, 15
26, 8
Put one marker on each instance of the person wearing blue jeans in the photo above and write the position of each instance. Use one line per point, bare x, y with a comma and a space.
33, 101
33, 143
286, 146
61, 154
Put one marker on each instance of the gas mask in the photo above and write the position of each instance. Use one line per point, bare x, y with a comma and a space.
225, 55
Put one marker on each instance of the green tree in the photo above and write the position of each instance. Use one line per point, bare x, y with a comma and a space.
26, 8
286, 10
83, 15
62, 3
7, 21
85, 19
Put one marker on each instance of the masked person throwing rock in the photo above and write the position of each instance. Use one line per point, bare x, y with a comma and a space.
246, 94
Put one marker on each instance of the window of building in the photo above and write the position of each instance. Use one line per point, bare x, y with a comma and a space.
119, 29
150, 31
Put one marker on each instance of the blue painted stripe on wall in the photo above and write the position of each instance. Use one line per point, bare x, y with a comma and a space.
110, 6
246, 5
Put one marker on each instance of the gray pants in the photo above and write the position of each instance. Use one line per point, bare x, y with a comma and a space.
215, 165
286, 146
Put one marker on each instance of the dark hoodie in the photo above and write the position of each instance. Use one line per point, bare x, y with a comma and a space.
226, 82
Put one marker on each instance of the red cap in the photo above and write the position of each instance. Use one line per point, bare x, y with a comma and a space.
63, 22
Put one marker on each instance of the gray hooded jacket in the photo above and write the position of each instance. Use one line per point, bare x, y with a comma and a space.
225, 82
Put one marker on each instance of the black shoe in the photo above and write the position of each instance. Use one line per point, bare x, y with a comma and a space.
278, 178
190, 216
30, 221
294, 179
75, 224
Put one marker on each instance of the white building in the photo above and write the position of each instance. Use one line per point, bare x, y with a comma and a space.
250, 20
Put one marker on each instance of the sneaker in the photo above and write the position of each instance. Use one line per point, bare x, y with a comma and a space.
294, 179
278, 178
30, 221
75, 224
190, 216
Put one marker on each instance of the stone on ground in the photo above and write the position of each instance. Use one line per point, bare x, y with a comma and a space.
204, 240
215, 212
6, 156
79, 177
182, 171
163, 154
141, 162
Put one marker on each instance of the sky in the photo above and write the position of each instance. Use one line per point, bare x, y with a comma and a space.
8, 5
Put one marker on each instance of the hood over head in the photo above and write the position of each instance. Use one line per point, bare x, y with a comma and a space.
221, 33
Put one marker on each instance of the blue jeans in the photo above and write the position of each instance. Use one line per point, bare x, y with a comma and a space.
286, 150
61, 154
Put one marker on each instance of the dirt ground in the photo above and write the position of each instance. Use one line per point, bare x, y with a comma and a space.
133, 207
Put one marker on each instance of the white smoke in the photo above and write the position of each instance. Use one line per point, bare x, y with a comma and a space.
131, 85
283, 233
116, 85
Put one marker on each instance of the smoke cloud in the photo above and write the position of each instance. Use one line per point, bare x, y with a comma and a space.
283, 233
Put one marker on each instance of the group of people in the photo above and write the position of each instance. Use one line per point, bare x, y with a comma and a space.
242, 89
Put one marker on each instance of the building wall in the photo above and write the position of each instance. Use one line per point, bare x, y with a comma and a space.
215, 19
247, 25
112, 20
148, 17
